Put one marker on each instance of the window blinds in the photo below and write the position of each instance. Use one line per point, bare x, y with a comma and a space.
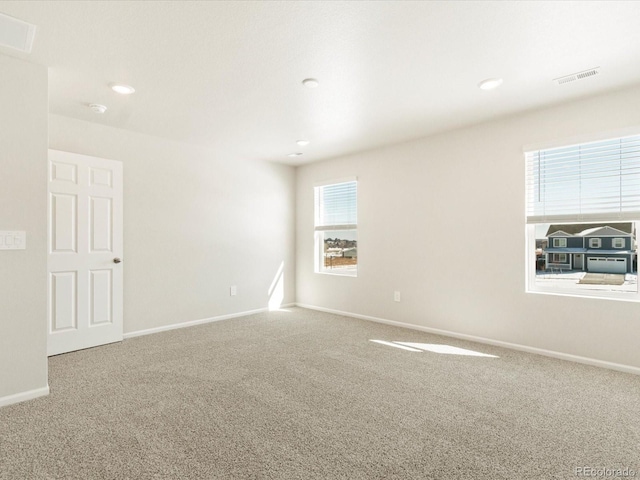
598, 181
336, 206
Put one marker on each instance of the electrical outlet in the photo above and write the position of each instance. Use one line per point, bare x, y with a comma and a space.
396, 296
233, 291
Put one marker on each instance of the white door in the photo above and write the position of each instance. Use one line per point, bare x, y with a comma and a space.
577, 261
85, 252
607, 265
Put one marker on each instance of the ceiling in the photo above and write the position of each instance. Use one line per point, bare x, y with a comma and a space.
228, 74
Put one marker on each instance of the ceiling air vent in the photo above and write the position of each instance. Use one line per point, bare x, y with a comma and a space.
577, 76
16, 34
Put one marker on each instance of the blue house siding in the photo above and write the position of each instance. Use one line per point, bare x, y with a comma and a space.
606, 243
572, 242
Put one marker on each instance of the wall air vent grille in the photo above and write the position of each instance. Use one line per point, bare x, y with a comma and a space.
577, 76
16, 34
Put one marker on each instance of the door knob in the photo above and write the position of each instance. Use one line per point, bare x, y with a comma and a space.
116, 260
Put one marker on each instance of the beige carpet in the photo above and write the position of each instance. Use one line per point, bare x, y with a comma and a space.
306, 395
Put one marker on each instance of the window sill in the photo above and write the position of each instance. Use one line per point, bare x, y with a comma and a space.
339, 274
617, 296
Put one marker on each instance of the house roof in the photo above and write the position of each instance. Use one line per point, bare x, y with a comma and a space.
601, 232
576, 228
560, 233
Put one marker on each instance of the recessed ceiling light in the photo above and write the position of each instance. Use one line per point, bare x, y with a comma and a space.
310, 83
303, 143
122, 89
96, 107
490, 83
294, 154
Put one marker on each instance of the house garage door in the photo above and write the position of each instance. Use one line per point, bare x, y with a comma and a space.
606, 265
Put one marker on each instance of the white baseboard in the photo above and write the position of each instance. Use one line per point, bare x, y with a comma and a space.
202, 321
24, 396
513, 346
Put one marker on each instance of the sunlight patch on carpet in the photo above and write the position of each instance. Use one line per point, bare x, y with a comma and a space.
434, 348
390, 344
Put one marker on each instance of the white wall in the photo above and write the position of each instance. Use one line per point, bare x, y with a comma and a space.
441, 219
194, 225
23, 206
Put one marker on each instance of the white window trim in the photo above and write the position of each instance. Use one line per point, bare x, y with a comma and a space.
559, 241
595, 243
559, 256
613, 242
530, 244
319, 231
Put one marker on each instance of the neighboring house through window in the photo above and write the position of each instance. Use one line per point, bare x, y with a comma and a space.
336, 227
582, 212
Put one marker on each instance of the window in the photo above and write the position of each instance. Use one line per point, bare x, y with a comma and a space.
588, 192
336, 228
560, 242
559, 258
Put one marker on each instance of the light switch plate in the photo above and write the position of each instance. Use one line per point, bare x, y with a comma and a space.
13, 240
